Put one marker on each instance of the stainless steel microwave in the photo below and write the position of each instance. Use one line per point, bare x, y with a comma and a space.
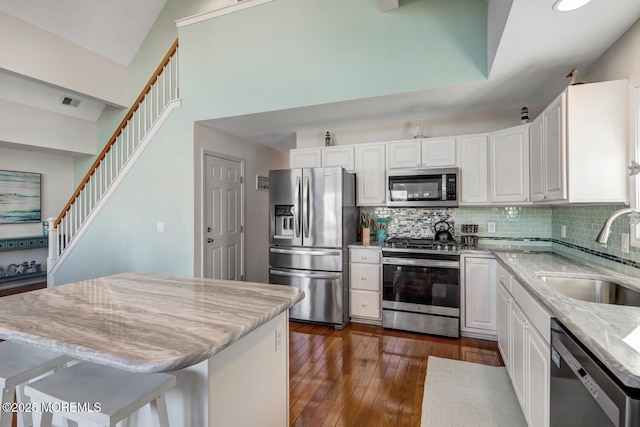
423, 187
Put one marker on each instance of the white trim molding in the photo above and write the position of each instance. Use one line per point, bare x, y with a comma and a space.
240, 5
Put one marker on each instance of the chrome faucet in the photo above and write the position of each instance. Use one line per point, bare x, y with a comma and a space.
603, 236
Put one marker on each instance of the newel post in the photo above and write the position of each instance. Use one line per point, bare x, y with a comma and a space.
53, 249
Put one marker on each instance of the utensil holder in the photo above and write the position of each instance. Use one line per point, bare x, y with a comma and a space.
469, 228
365, 234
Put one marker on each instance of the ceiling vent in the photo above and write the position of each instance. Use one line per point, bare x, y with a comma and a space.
70, 101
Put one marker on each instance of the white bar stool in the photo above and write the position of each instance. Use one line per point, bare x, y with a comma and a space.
20, 363
119, 394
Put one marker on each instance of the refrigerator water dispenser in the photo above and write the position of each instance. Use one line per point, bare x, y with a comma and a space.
284, 221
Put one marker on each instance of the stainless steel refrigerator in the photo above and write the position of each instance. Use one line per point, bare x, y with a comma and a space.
312, 218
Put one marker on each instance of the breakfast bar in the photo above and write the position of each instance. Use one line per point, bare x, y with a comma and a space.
225, 341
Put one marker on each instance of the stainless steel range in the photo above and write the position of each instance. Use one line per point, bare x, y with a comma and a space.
421, 286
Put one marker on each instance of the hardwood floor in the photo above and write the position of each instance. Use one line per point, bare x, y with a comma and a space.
366, 375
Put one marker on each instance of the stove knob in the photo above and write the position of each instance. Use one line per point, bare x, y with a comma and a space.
439, 247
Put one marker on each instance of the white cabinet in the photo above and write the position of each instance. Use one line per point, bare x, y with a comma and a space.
536, 159
503, 328
339, 156
323, 157
423, 153
537, 381
518, 356
305, 158
365, 287
523, 327
473, 162
439, 152
581, 134
509, 165
404, 154
478, 295
371, 174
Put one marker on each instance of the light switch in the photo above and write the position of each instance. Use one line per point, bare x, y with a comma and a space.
491, 227
160, 227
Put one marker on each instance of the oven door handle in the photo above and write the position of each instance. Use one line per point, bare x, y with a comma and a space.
421, 262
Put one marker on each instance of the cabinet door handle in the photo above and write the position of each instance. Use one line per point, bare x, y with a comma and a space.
364, 304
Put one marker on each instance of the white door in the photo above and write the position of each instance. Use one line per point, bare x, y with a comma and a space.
222, 237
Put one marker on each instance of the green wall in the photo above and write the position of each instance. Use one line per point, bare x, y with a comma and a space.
292, 53
282, 54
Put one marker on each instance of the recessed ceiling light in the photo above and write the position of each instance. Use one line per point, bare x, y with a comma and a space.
568, 5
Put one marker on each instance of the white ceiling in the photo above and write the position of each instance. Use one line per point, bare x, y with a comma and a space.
537, 49
114, 28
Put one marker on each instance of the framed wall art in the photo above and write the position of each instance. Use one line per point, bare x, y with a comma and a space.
19, 197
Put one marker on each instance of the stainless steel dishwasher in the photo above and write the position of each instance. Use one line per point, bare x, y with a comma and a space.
583, 392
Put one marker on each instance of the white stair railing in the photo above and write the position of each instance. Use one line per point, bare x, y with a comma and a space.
142, 121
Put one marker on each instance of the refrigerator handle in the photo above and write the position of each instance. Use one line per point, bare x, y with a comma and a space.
297, 213
307, 208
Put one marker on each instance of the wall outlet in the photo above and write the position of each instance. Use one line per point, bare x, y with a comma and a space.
625, 243
563, 231
279, 338
160, 227
491, 227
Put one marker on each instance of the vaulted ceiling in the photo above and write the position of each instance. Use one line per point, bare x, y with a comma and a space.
530, 50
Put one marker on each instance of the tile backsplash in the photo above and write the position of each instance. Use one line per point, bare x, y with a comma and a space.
582, 224
417, 223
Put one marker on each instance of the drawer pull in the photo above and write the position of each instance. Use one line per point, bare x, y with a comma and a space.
363, 257
363, 278
364, 304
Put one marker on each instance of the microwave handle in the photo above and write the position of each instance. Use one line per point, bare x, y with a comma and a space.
444, 187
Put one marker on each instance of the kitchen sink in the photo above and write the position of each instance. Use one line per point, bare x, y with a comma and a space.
593, 290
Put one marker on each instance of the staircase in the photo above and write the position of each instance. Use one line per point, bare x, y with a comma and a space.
150, 110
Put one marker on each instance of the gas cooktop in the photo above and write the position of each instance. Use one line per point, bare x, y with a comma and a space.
426, 245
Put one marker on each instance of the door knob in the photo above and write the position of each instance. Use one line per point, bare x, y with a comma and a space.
209, 240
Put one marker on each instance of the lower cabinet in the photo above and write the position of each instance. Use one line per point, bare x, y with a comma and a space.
525, 351
478, 302
365, 285
503, 323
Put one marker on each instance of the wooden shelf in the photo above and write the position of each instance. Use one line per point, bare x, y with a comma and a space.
22, 276
20, 243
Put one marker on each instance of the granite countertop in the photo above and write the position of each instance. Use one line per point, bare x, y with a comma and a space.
611, 332
142, 322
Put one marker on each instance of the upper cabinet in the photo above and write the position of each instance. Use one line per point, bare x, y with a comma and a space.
404, 154
422, 153
509, 165
474, 184
439, 152
581, 134
305, 158
323, 157
371, 174
339, 156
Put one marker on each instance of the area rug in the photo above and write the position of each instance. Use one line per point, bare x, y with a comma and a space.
464, 394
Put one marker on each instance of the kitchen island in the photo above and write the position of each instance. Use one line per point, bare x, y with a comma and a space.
226, 341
